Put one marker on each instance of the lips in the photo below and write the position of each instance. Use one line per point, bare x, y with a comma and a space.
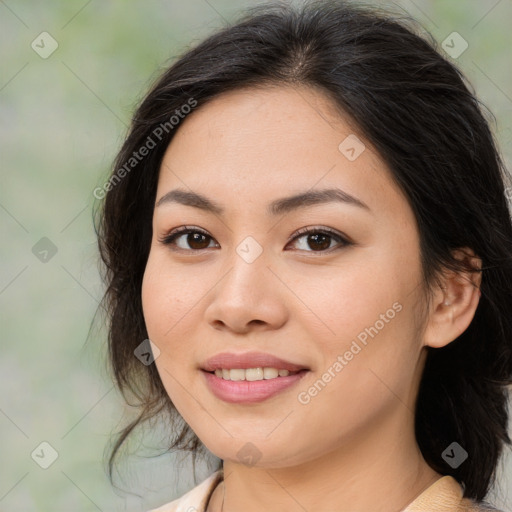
230, 360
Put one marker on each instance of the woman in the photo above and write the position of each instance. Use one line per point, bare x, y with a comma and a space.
308, 219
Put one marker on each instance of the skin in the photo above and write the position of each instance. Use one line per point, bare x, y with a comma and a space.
353, 443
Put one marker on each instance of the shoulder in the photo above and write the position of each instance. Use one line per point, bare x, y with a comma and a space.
467, 505
194, 500
446, 494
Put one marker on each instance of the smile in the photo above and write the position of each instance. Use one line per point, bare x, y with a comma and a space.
247, 391
252, 374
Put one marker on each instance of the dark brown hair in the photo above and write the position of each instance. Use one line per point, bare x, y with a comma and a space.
414, 106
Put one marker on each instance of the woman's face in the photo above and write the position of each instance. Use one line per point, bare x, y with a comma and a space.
345, 309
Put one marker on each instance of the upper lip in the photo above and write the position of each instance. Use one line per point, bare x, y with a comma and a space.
230, 360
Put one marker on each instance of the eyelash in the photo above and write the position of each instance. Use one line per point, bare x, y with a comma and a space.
172, 235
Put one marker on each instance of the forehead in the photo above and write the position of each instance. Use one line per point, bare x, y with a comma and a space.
258, 142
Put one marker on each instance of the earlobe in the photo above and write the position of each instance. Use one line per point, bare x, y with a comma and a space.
454, 302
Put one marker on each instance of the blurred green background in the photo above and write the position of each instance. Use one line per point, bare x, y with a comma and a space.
62, 119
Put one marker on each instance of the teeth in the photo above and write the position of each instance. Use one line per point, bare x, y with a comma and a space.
270, 373
251, 374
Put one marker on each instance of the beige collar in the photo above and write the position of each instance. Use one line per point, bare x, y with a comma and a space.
444, 495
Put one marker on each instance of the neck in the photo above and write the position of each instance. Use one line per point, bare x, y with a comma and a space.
383, 471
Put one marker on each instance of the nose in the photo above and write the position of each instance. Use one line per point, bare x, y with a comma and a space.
248, 296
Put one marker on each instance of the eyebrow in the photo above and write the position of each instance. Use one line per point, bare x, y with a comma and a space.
277, 207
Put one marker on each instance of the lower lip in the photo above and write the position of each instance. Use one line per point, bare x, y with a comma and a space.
248, 392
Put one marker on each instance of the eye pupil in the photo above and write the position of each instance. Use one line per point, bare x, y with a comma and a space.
194, 238
316, 236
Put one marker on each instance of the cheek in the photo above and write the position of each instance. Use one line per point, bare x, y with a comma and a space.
166, 302
167, 297
154, 300
366, 313
354, 298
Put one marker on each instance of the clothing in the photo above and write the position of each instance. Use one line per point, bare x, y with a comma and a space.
444, 495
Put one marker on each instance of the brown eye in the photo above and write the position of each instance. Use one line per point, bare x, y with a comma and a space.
319, 240
197, 240
187, 239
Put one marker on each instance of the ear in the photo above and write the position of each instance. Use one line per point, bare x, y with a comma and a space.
455, 301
